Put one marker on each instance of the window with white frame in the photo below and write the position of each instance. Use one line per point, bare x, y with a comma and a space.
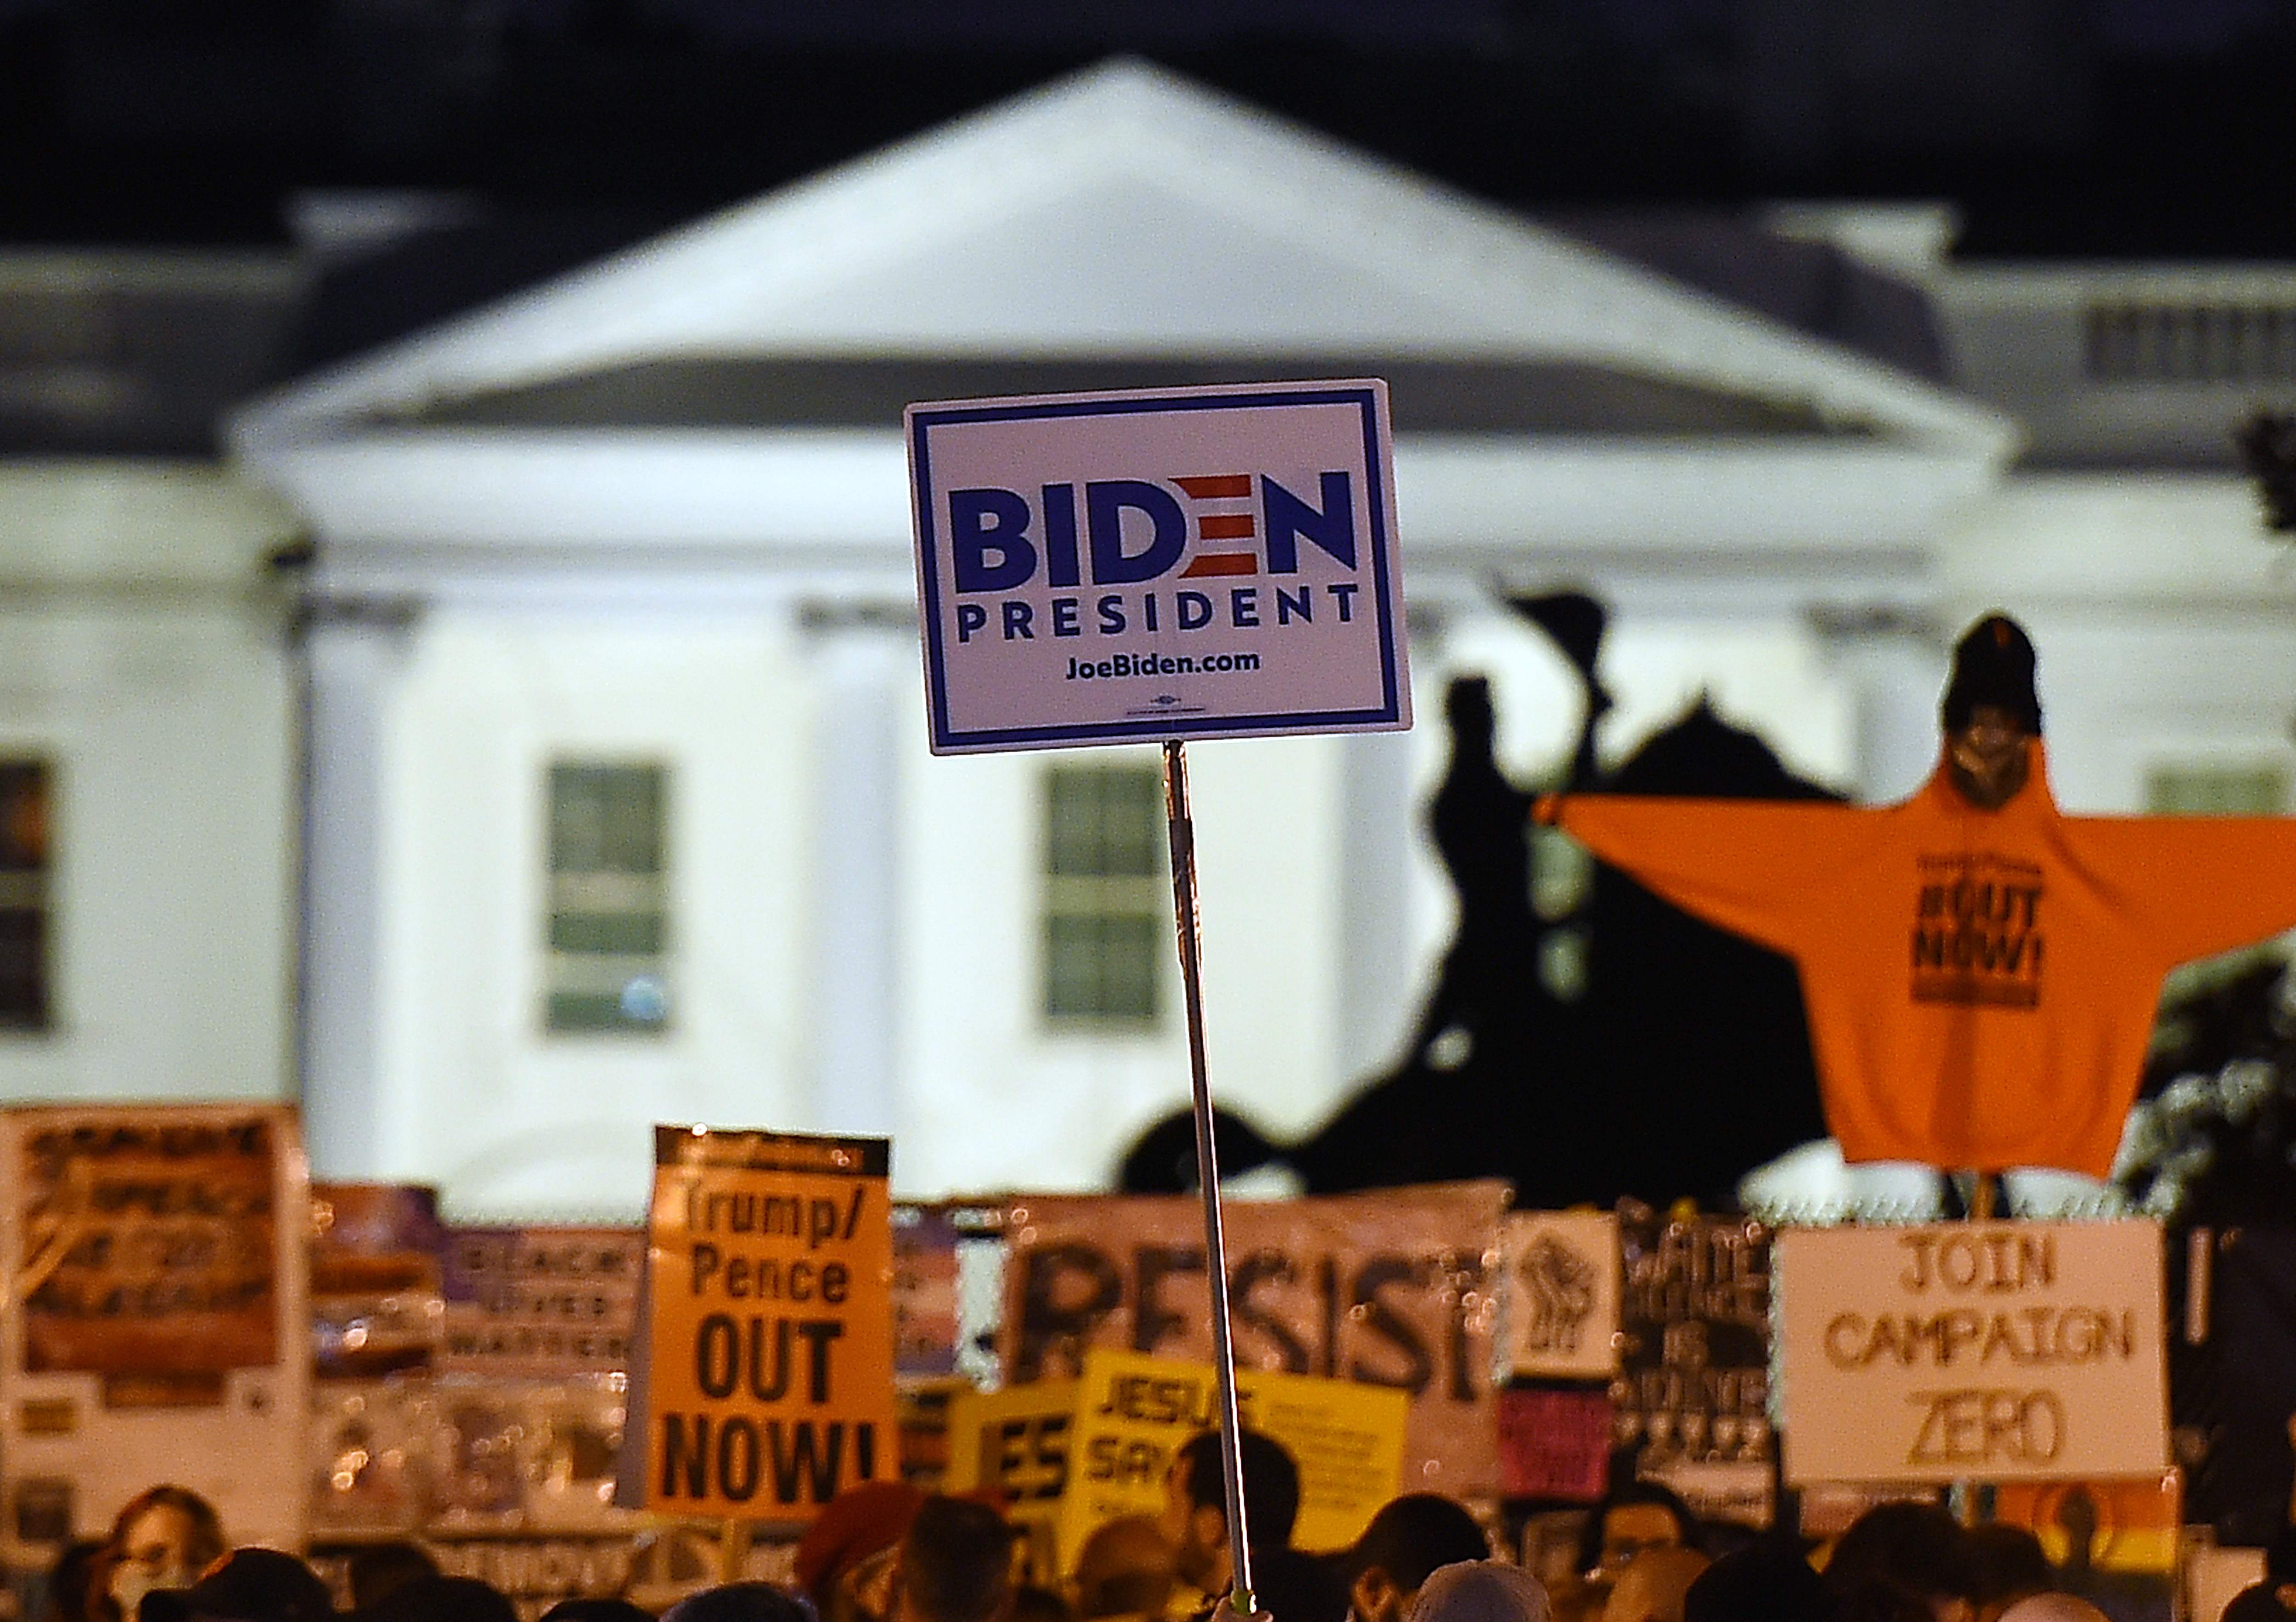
1108, 925
2252, 789
26, 789
607, 958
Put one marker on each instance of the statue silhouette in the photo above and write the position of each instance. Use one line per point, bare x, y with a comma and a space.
1681, 1063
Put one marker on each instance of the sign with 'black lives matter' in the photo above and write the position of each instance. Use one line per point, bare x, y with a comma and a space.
1989, 1352
766, 1387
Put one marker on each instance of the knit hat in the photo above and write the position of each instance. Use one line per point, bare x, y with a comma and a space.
852, 1526
1993, 664
1480, 1590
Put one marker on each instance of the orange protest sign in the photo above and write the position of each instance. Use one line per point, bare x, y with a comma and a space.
768, 1376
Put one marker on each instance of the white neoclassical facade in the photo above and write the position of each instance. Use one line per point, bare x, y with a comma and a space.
619, 810
147, 783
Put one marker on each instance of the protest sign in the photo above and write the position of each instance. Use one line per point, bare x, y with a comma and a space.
948, 1257
1694, 1375
1133, 1413
540, 1302
1071, 1454
1743, 1491
155, 1262
768, 1383
1158, 564
536, 1573
1998, 1352
1016, 1444
1554, 1444
1391, 1288
927, 1293
1561, 1294
1014, 1441
2102, 1526
375, 1303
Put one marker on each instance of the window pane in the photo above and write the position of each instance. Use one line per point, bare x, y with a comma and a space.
1103, 822
2250, 791
605, 819
1107, 919
1101, 967
25, 805
1134, 823
608, 930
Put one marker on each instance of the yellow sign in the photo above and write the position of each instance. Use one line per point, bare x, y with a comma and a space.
1133, 1413
768, 1377
1015, 1442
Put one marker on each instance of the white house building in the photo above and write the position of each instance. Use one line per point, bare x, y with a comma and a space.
620, 808
147, 783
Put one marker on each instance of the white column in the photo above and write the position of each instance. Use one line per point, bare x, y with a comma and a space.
1895, 662
354, 659
865, 665
1378, 981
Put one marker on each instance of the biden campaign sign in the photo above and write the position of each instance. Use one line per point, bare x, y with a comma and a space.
1161, 564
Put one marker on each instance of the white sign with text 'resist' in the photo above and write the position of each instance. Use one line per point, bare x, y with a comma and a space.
1977, 1351
1158, 564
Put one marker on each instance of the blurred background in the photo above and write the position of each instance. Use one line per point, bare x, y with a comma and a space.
457, 654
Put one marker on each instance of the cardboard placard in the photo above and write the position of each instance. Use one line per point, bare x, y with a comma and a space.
1554, 1445
1015, 1442
1743, 1491
462, 1455
1135, 1412
158, 1254
1392, 1288
1161, 563
375, 1302
541, 1302
1070, 1455
768, 1383
1562, 1294
2131, 1526
1694, 1379
1998, 1352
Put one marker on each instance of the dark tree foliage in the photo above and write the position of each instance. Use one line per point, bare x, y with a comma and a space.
2216, 1140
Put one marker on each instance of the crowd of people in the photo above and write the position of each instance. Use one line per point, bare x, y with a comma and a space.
889, 1552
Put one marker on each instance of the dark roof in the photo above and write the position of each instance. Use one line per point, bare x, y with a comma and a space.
435, 274
1812, 287
1495, 397
136, 354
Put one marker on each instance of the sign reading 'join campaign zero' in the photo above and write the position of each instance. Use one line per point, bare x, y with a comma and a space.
2017, 1351
1158, 564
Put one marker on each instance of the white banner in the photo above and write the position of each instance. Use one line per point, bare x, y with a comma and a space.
1987, 1352
1165, 563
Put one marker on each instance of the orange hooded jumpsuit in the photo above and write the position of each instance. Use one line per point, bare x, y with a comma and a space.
1980, 984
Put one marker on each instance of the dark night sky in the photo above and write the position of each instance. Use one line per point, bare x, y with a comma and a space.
2064, 126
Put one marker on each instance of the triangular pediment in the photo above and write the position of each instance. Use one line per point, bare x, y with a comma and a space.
1120, 214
